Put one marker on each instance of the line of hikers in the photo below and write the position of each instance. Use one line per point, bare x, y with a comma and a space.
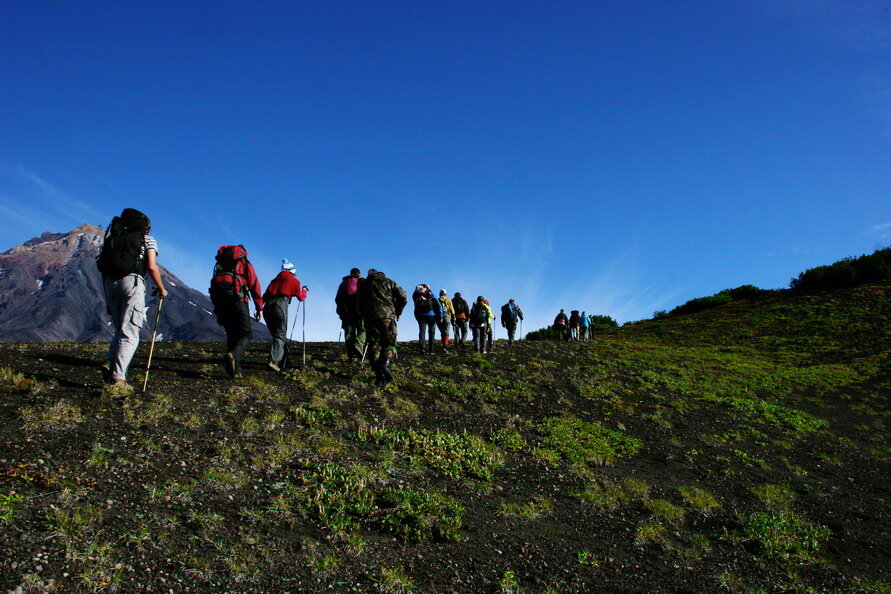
576, 327
369, 308
449, 316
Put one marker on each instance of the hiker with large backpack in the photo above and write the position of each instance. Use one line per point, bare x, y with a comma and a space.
347, 300
233, 282
510, 315
462, 311
574, 325
128, 253
479, 323
583, 326
428, 313
448, 318
381, 302
561, 324
275, 311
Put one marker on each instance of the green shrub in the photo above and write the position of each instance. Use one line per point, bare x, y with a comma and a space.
849, 272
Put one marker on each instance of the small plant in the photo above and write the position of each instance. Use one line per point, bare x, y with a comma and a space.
508, 583
580, 442
699, 499
529, 510
588, 558
649, 533
7, 506
393, 580
508, 439
664, 510
13, 381
777, 497
61, 415
785, 536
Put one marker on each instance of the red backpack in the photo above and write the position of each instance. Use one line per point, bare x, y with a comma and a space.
229, 281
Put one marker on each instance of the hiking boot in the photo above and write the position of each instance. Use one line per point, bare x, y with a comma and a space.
105, 369
273, 366
229, 362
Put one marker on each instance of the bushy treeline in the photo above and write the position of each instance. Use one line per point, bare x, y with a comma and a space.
721, 298
869, 268
600, 324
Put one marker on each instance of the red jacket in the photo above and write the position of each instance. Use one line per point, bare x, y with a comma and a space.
253, 283
285, 284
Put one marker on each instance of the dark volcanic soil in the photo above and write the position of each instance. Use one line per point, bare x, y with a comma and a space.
633, 464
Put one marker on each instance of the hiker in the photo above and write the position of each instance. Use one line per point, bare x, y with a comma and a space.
381, 302
479, 322
128, 253
275, 311
448, 318
233, 281
583, 326
574, 325
347, 300
490, 330
462, 311
561, 324
428, 313
510, 315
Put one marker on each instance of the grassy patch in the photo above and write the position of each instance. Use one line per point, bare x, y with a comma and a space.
785, 536
580, 442
61, 415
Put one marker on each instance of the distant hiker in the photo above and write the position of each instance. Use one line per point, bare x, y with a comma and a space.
490, 331
448, 318
428, 313
462, 312
574, 325
233, 282
128, 253
275, 311
583, 326
347, 300
561, 324
479, 322
381, 302
511, 314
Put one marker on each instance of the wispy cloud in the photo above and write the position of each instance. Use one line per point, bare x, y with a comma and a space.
882, 231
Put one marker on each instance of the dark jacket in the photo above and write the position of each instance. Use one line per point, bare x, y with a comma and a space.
347, 298
561, 320
427, 306
462, 310
380, 298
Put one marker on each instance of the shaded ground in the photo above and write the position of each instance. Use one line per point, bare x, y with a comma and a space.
741, 449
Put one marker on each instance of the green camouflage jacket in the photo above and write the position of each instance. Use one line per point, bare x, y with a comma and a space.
380, 297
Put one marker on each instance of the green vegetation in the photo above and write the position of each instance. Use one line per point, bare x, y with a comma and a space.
850, 272
785, 536
580, 442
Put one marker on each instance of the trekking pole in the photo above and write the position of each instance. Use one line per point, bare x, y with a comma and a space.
304, 334
152, 348
364, 351
521, 328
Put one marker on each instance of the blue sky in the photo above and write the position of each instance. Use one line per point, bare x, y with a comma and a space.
616, 157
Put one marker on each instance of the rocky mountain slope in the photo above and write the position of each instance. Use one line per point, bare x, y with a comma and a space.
51, 290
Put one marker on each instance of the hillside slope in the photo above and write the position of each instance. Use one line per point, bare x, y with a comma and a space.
741, 449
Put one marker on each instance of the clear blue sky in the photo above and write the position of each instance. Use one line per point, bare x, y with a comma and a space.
616, 157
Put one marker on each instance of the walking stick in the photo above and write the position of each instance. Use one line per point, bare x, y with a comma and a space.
290, 337
304, 334
152, 348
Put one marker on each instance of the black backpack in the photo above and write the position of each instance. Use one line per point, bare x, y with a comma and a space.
123, 250
479, 314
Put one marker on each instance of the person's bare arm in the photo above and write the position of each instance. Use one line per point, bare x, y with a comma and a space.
155, 272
